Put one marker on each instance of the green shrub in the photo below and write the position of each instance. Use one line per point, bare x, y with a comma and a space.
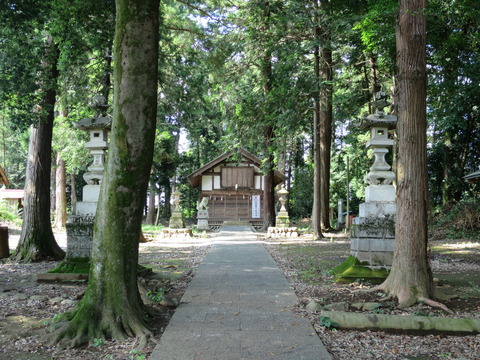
9, 214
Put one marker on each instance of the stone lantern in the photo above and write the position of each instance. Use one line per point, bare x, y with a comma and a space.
176, 219
282, 220
80, 225
98, 128
373, 231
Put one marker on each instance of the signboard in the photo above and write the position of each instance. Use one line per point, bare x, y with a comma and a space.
256, 206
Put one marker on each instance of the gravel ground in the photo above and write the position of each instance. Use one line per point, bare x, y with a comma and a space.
349, 344
27, 307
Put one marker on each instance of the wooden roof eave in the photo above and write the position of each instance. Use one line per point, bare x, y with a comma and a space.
195, 177
475, 176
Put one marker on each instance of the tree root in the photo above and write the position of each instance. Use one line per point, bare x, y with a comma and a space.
435, 304
84, 324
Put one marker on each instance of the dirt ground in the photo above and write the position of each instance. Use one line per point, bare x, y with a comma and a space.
28, 307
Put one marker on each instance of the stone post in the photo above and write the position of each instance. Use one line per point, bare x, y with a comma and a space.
373, 231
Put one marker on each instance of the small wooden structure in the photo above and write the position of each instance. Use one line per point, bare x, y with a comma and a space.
234, 187
13, 197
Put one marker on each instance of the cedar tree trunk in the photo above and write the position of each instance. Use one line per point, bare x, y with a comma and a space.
151, 205
410, 278
61, 194
325, 136
73, 193
112, 307
36, 240
317, 177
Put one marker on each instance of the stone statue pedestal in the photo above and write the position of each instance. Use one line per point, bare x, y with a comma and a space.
202, 220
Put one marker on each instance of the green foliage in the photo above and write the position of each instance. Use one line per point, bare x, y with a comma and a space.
98, 343
474, 288
301, 198
326, 322
157, 296
9, 213
137, 355
459, 220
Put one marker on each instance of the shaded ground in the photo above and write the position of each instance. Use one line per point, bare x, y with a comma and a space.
456, 266
27, 307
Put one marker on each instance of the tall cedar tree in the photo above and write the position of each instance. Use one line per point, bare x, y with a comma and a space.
269, 130
322, 123
112, 307
36, 240
410, 279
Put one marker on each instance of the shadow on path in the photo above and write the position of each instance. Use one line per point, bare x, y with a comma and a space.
238, 306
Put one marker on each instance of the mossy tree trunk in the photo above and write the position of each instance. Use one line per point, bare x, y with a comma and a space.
37, 242
410, 278
112, 307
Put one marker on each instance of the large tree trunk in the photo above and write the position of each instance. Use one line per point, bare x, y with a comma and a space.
60, 194
269, 189
112, 306
36, 240
325, 135
150, 220
317, 177
73, 193
410, 278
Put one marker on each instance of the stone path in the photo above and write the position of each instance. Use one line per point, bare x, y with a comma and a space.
238, 307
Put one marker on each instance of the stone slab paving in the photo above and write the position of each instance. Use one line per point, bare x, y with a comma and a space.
238, 306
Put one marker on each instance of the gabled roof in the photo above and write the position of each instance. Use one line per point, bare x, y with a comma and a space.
196, 176
473, 176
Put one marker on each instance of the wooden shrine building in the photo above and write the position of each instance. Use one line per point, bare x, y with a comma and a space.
233, 187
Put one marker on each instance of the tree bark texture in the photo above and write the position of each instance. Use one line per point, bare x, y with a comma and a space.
36, 240
269, 129
112, 306
325, 134
317, 177
60, 194
73, 193
151, 205
410, 278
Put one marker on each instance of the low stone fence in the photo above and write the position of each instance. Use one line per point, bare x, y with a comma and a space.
176, 233
278, 232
